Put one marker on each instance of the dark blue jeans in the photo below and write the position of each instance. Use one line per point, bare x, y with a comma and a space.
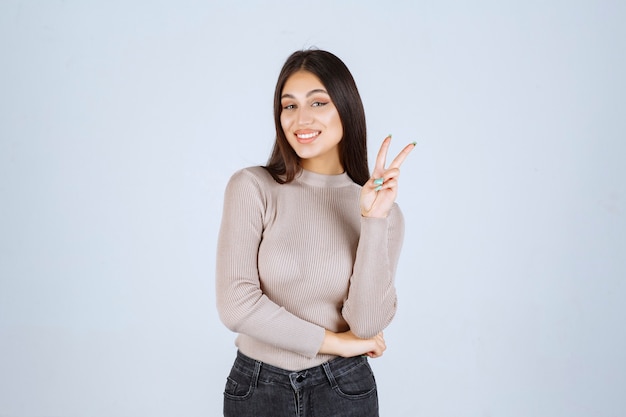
343, 387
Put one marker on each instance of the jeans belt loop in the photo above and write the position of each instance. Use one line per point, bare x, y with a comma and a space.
329, 375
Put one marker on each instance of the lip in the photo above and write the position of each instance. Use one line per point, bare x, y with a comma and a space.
306, 135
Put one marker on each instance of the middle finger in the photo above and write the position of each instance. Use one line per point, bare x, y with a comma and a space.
398, 160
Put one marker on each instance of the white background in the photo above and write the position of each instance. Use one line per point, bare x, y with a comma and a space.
121, 121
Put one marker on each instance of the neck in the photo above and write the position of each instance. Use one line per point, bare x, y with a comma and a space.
322, 168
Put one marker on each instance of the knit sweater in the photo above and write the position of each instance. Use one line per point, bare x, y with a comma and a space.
294, 259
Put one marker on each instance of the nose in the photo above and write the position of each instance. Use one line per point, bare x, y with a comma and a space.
305, 117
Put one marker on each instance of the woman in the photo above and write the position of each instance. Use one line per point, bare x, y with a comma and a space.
307, 253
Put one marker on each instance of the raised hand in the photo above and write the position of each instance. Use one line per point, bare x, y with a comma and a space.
379, 192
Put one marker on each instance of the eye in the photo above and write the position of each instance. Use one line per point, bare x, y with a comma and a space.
318, 103
289, 106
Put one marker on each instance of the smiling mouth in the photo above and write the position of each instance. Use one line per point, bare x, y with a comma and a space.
307, 137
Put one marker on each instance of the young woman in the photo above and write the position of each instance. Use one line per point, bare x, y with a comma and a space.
307, 253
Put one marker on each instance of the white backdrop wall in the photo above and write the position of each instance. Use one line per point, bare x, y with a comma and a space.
120, 123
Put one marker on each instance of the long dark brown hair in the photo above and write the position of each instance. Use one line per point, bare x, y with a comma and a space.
284, 163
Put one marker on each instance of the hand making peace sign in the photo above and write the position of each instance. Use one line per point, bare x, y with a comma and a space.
379, 192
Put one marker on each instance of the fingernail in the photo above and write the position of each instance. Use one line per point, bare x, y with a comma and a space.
380, 187
389, 135
414, 143
379, 181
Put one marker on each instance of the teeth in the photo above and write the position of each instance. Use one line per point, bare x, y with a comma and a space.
308, 135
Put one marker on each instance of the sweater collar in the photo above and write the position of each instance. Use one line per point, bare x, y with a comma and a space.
322, 180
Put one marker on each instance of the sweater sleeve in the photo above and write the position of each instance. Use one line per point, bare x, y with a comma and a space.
241, 303
372, 301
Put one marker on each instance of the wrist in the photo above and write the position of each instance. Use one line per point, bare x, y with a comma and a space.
374, 216
329, 344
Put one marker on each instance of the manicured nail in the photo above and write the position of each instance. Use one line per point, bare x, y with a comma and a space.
414, 143
380, 187
379, 181
389, 135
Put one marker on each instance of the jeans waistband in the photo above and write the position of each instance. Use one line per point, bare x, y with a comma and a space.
324, 373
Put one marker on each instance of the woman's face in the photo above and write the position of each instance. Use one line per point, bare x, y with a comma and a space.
311, 123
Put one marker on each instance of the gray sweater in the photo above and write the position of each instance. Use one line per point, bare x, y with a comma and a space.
295, 259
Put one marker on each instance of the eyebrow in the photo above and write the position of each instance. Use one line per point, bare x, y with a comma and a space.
310, 93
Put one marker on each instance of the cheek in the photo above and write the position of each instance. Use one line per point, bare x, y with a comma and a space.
336, 123
284, 121
332, 120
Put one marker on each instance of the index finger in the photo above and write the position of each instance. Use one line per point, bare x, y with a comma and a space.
398, 160
382, 155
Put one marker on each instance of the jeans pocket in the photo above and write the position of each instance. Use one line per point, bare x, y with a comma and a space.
357, 383
239, 386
